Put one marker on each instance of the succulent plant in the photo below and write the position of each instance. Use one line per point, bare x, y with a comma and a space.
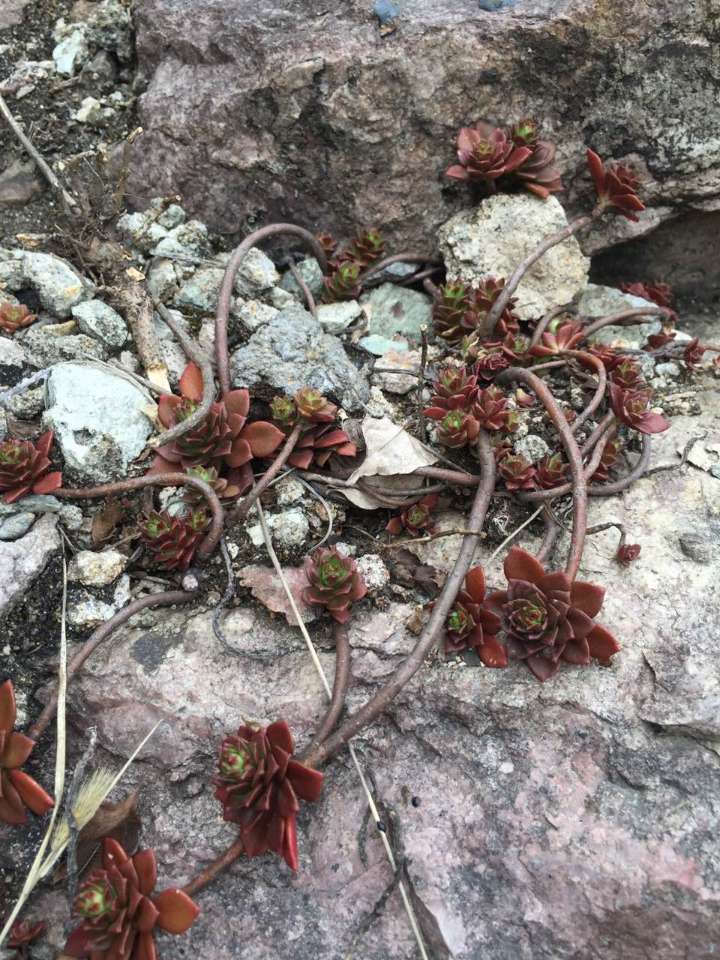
657, 340
608, 460
471, 624
608, 356
454, 389
284, 412
551, 471
25, 468
490, 360
366, 247
485, 153
540, 173
342, 284
327, 242
547, 618
566, 337
334, 582
659, 293
491, 409
260, 784
14, 317
627, 374
119, 911
18, 790
632, 407
448, 311
516, 347
524, 399
693, 353
456, 428
484, 297
172, 540
318, 444
616, 187
223, 439
627, 553
417, 519
227, 488
312, 406
22, 934
517, 472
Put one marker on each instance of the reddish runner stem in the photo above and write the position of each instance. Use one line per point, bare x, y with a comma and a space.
206, 876
379, 703
599, 394
577, 470
543, 324
239, 254
340, 689
243, 508
103, 632
522, 268
396, 258
625, 317
305, 290
617, 486
213, 535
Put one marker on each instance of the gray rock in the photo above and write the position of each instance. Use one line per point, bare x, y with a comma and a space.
91, 112
287, 491
488, 242
337, 317
289, 530
12, 360
257, 274
162, 281
201, 291
379, 140
109, 28
16, 525
70, 515
669, 369
12, 13
173, 354
19, 183
532, 447
292, 351
399, 383
397, 310
22, 561
141, 230
280, 299
254, 314
85, 612
379, 346
599, 301
44, 348
310, 272
58, 285
28, 404
27, 74
72, 51
99, 420
173, 216
98, 320
187, 241
96, 569
700, 547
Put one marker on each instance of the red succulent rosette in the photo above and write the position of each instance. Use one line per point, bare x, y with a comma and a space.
551, 471
312, 406
454, 301
416, 519
119, 911
632, 407
25, 468
456, 428
546, 618
540, 173
318, 444
224, 438
659, 293
657, 340
491, 409
334, 582
454, 388
517, 472
693, 353
490, 359
627, 374
22, 934
172, 540
628, 553
18, 790
14, 317
487, 292
616, 187
260, 785
485, 153
472, 624
608, 460
342, 284
566, 337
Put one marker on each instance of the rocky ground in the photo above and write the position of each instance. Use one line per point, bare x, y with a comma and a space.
570, 821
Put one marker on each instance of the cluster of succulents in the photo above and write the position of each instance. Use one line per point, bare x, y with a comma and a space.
346, 267
25, 468
172, 539
462, 408
334, 582
15, 316
459, 311
416, 519
321, 439
498, 157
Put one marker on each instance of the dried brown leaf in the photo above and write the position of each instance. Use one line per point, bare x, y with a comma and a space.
105, 521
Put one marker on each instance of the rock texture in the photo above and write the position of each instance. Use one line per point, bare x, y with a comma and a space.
22, 561
259, 112
574, 820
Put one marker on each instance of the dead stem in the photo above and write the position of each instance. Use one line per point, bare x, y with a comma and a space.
397, 258
239, 254
379, 703
625, 317
339, 692
243, 507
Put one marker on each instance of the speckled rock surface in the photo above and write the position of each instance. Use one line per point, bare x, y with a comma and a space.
21, 561
263, 112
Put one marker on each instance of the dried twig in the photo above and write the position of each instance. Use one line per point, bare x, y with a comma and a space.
340, 687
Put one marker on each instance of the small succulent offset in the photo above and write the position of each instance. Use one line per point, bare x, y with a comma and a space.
449, 309
343, 283
547, 618
25, 468
322, 439
472, 625
517, 472
616, 187
334, 582
14, 317
485, 153
119, 912
632, 407
18, 790
491, 409
456, 428
566, 337
22, 935
415, 520
551, 471
172, 540
223, 440
259, 784
627, 553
